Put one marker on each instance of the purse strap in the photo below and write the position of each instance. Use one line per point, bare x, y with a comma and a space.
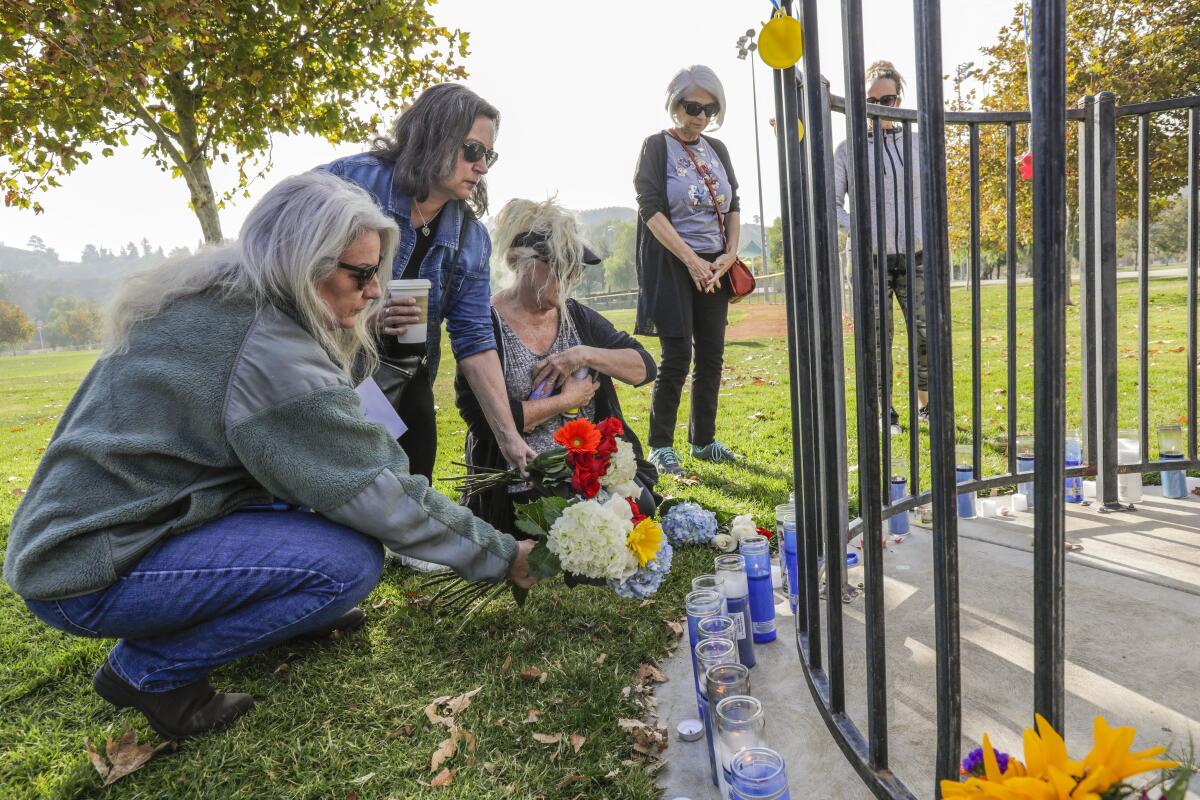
704, 176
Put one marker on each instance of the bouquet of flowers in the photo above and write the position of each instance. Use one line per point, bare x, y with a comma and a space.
1048, 773
588, 524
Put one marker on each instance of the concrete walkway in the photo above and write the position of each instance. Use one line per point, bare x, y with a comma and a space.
1133, 650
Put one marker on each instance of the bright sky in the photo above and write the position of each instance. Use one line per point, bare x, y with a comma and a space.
578, 87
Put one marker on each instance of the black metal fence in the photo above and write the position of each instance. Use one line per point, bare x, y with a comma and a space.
817, 361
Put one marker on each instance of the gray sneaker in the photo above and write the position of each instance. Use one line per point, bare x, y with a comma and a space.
666, 459
714, 451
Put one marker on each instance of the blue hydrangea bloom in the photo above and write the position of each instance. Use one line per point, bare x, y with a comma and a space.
688, 523
647, 579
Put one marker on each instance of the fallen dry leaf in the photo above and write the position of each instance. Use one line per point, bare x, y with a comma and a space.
646, 603
380, 603
548, 738
577, 741
431, 711
458, 704
124, 757
567, 780
534, 714
533, 674
507, 665
600, 659
443, 778
676, 628
648, 672
445, 751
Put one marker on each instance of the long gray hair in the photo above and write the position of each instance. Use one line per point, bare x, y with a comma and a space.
289, 244
428, 136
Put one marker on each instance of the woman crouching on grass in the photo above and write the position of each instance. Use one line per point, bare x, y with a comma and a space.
559, 356
225, 382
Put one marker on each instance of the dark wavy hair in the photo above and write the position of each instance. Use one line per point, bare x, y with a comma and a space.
428, 136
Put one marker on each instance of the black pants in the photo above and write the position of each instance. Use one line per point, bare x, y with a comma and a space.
897, 286
416, 409
710, 313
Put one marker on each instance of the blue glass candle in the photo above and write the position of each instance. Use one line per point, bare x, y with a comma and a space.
740, 723
964, 472
758, 773
713, 583
719, 627
725, 680
732, 568
711, 653
1073, 457
898, 523
791, 560
756, 550
700, 605
1170, 448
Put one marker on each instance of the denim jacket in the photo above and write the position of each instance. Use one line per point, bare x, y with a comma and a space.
469, 297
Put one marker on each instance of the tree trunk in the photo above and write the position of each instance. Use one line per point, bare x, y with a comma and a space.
204, 202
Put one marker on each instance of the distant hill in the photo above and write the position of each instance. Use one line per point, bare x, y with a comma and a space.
601, 216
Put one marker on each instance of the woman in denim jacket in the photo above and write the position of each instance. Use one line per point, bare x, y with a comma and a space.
429, 176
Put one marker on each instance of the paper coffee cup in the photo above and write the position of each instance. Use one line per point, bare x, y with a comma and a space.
417, 288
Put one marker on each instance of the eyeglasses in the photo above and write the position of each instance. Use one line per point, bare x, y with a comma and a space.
886, 100
693, 109
362, 275
474, 151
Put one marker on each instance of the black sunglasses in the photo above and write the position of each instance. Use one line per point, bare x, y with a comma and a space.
362, 275
474, 151
693, 109
886, 100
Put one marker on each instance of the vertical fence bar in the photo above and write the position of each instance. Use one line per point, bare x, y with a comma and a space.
787, 174
823, 229
833, 363
1104, 295
931, 121
883, 311
1047, 129
1087, 268
1010, 206
976, 315
796, 285
867, 350
1193, 186
910, 270
1143, 244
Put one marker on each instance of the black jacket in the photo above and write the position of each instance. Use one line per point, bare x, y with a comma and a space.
663, 281
481, 447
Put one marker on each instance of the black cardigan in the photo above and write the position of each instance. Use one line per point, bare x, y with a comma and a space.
663, 281
481, 448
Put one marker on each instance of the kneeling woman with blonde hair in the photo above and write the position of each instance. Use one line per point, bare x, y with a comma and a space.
559, 356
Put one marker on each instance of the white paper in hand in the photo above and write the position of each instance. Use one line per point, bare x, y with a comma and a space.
376, 408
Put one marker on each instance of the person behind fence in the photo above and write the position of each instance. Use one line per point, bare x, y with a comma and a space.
429, 176
885, 86
560, 357
688, 229
222, 396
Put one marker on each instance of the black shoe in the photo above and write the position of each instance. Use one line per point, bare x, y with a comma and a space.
352, 619
181, 713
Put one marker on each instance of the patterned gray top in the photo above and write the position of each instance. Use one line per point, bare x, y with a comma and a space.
518, 375
692, 212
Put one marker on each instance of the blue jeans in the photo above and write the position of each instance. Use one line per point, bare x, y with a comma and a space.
225, 590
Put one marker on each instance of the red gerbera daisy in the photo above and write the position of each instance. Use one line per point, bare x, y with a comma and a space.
578, 436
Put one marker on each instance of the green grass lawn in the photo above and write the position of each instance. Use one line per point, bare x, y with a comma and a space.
346, 719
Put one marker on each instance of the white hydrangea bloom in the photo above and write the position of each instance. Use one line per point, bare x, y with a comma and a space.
590, 539
622, 469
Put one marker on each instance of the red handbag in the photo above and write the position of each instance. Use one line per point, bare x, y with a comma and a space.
741, 279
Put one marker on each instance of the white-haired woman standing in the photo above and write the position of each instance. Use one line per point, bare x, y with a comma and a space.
137, 524
545, 340
687, 240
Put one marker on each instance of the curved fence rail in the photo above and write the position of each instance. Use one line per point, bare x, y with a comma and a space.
813, 289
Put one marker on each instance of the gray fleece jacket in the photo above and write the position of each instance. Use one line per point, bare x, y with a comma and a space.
217, 404
894, 154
